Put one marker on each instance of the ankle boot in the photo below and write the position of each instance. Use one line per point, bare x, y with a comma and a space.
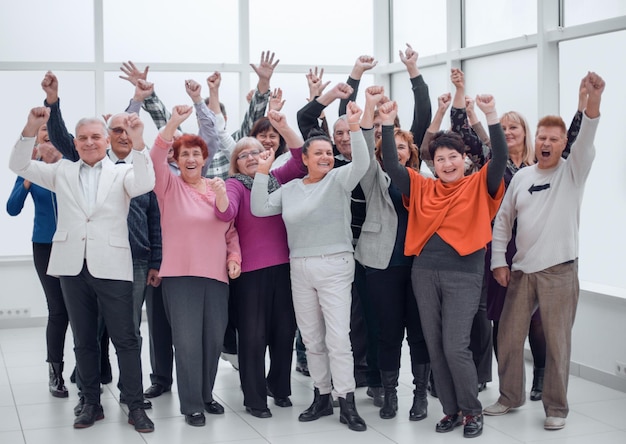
419, 410
537, 389
349, 415
56, 384
322, 406
389, 380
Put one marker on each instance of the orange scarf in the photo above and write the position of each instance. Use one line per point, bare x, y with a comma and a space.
460, 212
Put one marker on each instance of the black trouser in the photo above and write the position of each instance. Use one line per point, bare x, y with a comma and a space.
85, 297
57, 313
396, 307
161, 349
481, 343
265, 318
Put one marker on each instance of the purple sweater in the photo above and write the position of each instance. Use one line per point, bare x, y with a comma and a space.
263, 240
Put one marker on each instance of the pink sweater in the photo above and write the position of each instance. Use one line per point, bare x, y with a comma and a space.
195, 242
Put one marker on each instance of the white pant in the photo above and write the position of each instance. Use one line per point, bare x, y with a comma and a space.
322, 295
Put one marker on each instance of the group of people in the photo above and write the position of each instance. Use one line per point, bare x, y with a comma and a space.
247, 237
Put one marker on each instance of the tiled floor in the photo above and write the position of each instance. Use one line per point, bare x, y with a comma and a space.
29, 415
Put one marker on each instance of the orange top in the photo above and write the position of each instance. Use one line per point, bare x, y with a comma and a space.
460, 212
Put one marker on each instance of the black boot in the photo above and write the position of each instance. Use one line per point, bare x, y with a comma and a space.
431, 386
419, 410
349, 415
537, 389
389, 380
56, 384
322, 406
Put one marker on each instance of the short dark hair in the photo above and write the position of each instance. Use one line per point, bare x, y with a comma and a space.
446, 139
262, 125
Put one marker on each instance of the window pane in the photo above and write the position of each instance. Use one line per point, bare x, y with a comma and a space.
577, 12
46, 31
420, 23
185, 31
604, 203
326, 32
489, 21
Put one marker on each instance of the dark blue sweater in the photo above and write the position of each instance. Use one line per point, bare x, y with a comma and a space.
45, 223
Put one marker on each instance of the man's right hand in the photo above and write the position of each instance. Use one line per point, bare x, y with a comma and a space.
50, 85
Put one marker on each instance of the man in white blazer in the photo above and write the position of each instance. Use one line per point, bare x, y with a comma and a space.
91, 252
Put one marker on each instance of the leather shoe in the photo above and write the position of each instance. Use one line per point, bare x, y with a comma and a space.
554, 423
449, 423
214, 408
496, 409
145, 405
283, 402
140, 420
472, 426
196, 419
377, 393
259, 413
155, 390
88, 416
79, 407
302, 367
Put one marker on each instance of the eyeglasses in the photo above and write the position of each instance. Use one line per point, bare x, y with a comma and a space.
117, 130
244, 156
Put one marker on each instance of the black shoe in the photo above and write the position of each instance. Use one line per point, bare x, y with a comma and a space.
73, 376
155, 390
56, 384
88, 416
79, 407
449, 423
145, 405
482, 386
389, 380
302, 367
214, 408
140, 420
473, 426
283, 402
419, 409
377, 394
196, 419
259, 413
536, 393
322, 406
348, 414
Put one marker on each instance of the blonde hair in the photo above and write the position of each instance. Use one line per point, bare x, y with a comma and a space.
242, 144
528, 155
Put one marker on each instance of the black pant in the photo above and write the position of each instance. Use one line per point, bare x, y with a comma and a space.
85, 297
57, 313
396, 307
265, 318
161, 349
481, 343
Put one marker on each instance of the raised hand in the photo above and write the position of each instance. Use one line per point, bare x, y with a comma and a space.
388, 112
180, 113
409, 56
264, 70
278, 120
363, 63
486, 103
143, 90
342, 90
315, 82
443, 102
134, 128
458, 78
266, 158
594, 84
214, 81
50, 85
276, 100
132, 73
193, 90
36, 118
353, 112
374, 95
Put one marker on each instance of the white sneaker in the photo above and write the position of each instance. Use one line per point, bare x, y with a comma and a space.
554, 423
496, 409
232, 358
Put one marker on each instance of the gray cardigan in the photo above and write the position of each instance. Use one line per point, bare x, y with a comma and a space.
378, 235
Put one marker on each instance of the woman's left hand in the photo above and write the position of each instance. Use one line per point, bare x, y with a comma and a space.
234, 269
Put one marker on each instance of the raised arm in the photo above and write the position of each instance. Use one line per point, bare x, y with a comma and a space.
308, 115
152, 104
396, 171
443, 103
363, 63
422, 111
499, 149
57, 131
206, 119
143, 90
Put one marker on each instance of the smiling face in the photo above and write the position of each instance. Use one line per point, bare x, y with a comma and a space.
270, 139
42, 134
248, 160
190, 161
404, 152
319, 159
91, 141
449, 164
550, 142
120, 142
514, 133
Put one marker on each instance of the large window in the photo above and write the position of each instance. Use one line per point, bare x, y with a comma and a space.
488, 21
420, 23
577, 12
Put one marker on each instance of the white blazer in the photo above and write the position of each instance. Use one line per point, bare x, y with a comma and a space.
101, 236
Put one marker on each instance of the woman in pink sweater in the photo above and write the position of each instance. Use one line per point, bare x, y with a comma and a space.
200, 253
